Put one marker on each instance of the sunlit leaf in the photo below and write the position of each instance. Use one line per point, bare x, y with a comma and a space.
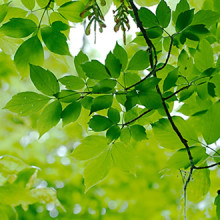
72, 82
26, 103
97, 169
71, 10
90, 147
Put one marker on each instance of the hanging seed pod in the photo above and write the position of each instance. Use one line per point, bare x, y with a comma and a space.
87, 31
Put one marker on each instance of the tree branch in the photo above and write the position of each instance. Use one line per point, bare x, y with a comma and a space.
206, 167
135, 119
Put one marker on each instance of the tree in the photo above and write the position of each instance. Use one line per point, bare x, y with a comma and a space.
120, 116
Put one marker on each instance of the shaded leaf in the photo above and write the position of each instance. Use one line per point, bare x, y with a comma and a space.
101, 102
184, 20
99, 123
113, 65
30, 52
113, 133
147, 17
114, 115
163, 13
68, 96
121, 54
138, 132
71, 113
55, 40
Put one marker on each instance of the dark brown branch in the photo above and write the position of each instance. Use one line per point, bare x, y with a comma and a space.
168, 55
135, 119
147, 39
175, 93
206, 167
142, 80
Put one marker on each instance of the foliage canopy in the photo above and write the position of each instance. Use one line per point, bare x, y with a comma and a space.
144, 125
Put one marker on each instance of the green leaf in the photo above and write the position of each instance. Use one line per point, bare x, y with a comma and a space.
71, 113
101, 102
217, 203
3, 11
90, 147
23, 177
185, 94
43, 3
28, 4
147, 17
139, 61
44, 80
148, 84
123, 157
167, 138
99, 123
125, 135
130, 79
199, 187
11, 165
121, 54
210, 124
72, 82
97, 169
71, 10
184, 20
78, 60
113, 65
104, 86
182, 6
138, 132
95, 70
26, 103
205, 53
150, 99
180, 158
163, 14
18, 27
55, 41
49, 117
206, 17
114, 115
87, 102
154, 32
113, 133
147, 2
68, 96
30, 52
60, 26
170, 80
